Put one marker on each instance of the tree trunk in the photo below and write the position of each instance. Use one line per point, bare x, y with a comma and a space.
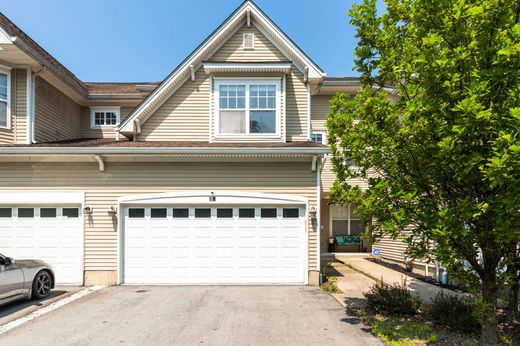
489, 296
515, 287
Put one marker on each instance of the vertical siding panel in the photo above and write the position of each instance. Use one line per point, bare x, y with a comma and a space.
296, 106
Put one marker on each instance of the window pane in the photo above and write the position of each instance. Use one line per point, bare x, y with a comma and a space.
317, 137
156, 213
232, 122
3, 86
246, 212
339, 227
3, 114
136, 213
111, 118
6, 212
71, 212
355, 227
262, 103
202, 212
223, 102
268, 212
353, 212
25, 212
263, 122
181, 213
47, 212
225, 212
291, 212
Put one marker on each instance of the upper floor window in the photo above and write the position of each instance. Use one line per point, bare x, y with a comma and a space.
106, 116
318, 137
248, 107
5, 90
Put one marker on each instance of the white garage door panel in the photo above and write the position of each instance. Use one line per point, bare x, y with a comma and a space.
55, 240
214, 250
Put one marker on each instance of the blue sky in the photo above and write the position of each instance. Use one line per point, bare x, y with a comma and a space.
143, 40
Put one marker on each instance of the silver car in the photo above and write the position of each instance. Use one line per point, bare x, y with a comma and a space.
24, 279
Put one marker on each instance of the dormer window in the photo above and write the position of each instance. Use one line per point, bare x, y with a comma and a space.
248, 107
5, 91
104, 117
249, 40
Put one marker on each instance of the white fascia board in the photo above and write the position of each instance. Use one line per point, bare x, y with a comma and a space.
127, 124
315, 72
49, 197
159, 150
5, 38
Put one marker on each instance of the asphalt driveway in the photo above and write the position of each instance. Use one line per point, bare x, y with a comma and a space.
195, 315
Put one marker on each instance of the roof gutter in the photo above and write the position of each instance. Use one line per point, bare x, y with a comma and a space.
159, 150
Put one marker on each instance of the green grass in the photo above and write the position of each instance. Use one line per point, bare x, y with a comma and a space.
395, 331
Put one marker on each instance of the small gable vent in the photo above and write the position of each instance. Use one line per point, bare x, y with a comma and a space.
249, 40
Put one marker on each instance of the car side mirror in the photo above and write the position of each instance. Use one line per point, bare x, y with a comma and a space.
8, 261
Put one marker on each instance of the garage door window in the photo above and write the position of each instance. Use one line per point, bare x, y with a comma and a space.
246, 212
135, 213
202, 213
48, 212
291, 213
71, 212
225, 213
25, 212
180, 213
6, 212
158, 213
268, 213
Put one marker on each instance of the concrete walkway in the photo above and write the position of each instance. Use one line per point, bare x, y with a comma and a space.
351, 283
424, 290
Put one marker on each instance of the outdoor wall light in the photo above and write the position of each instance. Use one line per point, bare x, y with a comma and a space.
212, 197
87, 210
112, 211
312, 215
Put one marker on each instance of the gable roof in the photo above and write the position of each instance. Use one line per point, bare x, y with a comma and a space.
245, 13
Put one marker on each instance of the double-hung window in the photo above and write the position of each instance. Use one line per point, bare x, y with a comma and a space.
248, 107
101, 117
5, 101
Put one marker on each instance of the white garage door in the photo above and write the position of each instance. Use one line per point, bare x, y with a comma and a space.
51, 233
203, 245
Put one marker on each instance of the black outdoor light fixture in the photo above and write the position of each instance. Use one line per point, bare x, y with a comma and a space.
212, 197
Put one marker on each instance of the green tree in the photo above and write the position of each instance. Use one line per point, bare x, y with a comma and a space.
435, 131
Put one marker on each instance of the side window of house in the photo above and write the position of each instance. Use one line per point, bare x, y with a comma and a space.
345, 220
4, 100
318, 137
247, 108
100, 117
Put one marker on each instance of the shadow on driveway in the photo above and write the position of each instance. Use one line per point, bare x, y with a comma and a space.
20, 308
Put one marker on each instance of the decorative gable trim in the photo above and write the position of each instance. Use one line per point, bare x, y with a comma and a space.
207, 48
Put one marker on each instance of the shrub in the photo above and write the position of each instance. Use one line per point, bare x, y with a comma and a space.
330, 285
391, 300
454, 312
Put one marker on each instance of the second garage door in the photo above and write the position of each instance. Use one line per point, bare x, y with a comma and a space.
206, 245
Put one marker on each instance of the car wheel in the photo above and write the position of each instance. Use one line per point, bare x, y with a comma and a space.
42, 284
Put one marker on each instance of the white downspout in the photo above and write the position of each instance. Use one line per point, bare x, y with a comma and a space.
318, 216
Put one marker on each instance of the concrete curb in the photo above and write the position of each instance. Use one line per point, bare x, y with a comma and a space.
56, 305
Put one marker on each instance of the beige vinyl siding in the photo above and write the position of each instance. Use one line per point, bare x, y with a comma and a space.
232, 50
7, 135
57, 116
19, 106
102, 189
319, 111
184, 116
296, 106
104, 132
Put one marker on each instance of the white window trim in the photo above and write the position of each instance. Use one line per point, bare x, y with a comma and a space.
7, 71
323, 136
247, 82
93, 110
333, 217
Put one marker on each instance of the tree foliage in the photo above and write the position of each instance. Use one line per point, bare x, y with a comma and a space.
435, 129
